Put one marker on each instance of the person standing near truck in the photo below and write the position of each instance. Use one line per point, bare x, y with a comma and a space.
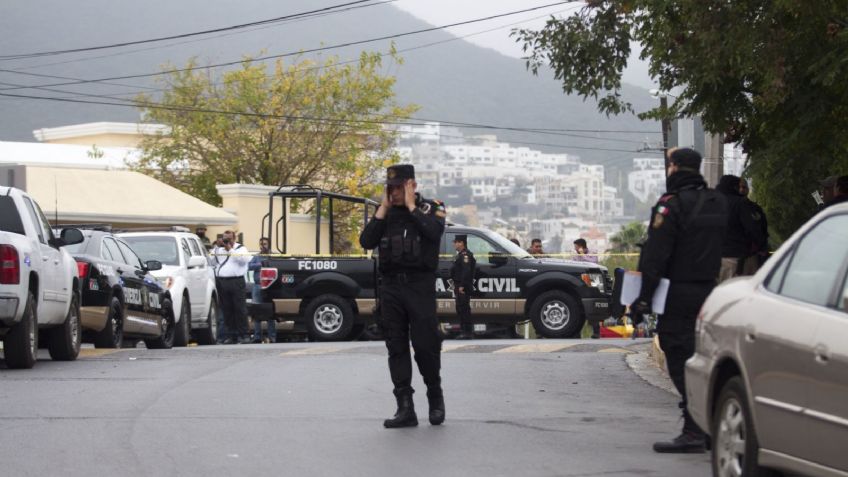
231, 260
407, 229
462, 274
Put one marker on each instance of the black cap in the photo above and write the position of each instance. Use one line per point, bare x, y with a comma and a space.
460, 238
685, 157
399, 173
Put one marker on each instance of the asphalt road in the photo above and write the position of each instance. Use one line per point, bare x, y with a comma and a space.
540, 408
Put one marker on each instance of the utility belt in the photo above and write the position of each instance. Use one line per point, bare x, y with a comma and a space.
407, 277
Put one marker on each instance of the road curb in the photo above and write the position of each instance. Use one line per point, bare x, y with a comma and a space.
644, 363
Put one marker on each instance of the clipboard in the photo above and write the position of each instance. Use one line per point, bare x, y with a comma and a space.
632, 285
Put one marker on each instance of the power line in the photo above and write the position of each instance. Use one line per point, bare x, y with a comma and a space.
247, 30
176, 37
301, 52
285, 117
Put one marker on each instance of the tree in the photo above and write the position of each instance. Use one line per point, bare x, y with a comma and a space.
627, 239
299, 123
769, 75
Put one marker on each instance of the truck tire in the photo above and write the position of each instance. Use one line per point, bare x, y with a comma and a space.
21, 342
182, 334
209, 335
112, 335
166, 339
63, 342
556, 314
329, 318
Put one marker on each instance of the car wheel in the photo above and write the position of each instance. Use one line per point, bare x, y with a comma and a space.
735, 444
329, 318
21, 342
556, 314
112, 335
182, 334
166, 339
64, 341
209, 335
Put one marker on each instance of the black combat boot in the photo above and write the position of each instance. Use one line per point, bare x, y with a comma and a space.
688, 442
405, 415
436, 399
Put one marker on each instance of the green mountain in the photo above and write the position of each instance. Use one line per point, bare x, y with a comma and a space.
452, 81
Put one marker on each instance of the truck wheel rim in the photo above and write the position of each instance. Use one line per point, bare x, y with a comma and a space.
328, 318
555, 315
75, 324
213, 321
730, 441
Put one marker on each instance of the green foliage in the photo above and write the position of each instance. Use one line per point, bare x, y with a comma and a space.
629, 237
768, 75
299, 123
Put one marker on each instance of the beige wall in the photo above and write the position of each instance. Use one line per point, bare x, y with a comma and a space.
101, 140
250, 204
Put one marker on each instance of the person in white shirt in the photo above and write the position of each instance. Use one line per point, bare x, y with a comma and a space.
231, 259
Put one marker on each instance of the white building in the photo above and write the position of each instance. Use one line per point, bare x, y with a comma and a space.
647, 180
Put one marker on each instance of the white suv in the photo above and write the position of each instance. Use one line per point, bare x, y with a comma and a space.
187, 275
39, 288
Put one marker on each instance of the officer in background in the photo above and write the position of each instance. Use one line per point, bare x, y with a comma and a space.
407, 229
684, 245
231, 260
462, 274
744, 228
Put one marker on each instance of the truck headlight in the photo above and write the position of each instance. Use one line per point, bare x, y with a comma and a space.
595, 280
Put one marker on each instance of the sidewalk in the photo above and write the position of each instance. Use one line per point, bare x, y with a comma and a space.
648, 362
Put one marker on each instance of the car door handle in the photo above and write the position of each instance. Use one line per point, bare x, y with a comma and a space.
750, 334
822, 354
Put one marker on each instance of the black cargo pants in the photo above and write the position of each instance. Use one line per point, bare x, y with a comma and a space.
463, 310
408, 307
676, 330
233, 304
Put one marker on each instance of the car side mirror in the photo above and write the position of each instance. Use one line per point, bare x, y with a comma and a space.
196, 262
69, 237
498, 259
153, 265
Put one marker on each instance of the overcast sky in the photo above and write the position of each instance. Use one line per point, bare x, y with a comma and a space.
441, 12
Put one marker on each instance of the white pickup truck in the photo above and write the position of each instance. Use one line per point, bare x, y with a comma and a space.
39, 289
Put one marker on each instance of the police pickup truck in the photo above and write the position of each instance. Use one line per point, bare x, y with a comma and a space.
334, 296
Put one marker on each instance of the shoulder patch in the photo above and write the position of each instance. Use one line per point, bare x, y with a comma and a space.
441, 213
658, 220
662, 210
665, 198
466, 259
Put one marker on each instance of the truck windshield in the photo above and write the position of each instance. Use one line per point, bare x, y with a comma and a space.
10, 220
507, 245
163, 249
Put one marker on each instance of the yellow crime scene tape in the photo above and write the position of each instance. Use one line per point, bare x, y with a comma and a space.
363, 255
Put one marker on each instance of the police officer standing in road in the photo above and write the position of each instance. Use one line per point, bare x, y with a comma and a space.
462, 275
684, 245
231, 260
407, 229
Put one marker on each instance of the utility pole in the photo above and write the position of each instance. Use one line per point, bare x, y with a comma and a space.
713, 158
666, 128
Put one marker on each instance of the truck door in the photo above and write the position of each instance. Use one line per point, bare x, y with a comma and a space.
495, 288
53, 298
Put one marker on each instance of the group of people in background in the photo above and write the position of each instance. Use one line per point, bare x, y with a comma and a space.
581, 250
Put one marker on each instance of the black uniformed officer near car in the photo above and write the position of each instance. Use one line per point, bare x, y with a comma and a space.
462, 275
407, 230
684, 245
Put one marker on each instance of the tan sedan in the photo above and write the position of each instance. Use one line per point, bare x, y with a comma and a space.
769, 378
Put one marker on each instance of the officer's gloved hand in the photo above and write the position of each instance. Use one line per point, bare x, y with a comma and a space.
638, 310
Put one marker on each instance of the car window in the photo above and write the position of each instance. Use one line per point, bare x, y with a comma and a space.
152, 247
195, 248
10, 219
34, 217
106, 254
186, 249
816, 267
110, 244
129, 255
45, 224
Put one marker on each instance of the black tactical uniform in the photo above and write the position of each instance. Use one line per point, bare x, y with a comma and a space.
684, 245
408, 244
462, 275
745, 226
